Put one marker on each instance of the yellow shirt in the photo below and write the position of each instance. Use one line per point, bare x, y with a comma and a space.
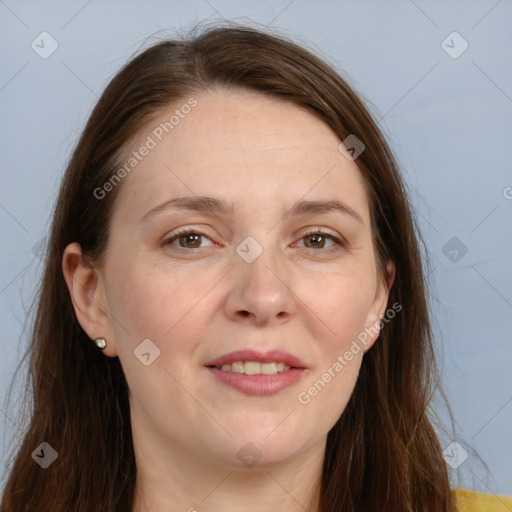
471, 501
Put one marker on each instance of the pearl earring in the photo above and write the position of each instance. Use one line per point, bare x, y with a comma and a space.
101, 343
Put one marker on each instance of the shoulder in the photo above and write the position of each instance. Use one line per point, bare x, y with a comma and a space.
471, 501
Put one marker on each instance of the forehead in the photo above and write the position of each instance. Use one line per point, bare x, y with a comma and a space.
234, 142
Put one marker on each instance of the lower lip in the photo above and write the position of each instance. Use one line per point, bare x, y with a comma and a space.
258, 385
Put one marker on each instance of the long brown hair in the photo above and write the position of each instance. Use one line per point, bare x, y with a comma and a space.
382, 454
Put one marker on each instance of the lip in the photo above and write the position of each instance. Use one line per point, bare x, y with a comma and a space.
260, 357
258, 385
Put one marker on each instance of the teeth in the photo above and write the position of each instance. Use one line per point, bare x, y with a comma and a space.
268, 368
252, 368
255, 368
237, 367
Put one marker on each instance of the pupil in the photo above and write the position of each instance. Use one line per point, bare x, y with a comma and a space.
316, 239
190, 239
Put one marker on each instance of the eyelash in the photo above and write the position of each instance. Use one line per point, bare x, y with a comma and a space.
338, 241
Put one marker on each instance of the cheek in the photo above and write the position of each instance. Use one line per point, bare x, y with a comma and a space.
151, 303
164, 309
342, 304
327, 390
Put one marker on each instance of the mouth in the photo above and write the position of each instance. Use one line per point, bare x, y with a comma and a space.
252, 362
255, 373
254, 367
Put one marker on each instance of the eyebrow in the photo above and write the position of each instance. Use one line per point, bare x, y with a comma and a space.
214, 205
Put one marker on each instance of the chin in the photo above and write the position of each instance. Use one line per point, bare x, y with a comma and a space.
257, 453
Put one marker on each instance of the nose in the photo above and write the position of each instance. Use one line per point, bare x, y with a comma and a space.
260, 292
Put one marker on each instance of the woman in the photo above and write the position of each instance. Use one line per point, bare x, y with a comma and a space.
233, 233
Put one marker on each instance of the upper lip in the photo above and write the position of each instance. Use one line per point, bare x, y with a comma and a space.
261, 357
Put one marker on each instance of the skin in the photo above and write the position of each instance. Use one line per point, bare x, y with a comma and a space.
310, 297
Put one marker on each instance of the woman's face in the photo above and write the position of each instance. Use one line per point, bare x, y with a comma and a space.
251, 276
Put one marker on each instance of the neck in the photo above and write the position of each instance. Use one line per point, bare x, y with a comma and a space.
172, 480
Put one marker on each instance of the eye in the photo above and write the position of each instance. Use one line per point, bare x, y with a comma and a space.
314, 239
317, 238
187, 239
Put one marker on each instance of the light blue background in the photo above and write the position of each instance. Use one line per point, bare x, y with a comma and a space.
448, 120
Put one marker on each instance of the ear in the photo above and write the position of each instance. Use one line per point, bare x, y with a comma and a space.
378, 307
86, 288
